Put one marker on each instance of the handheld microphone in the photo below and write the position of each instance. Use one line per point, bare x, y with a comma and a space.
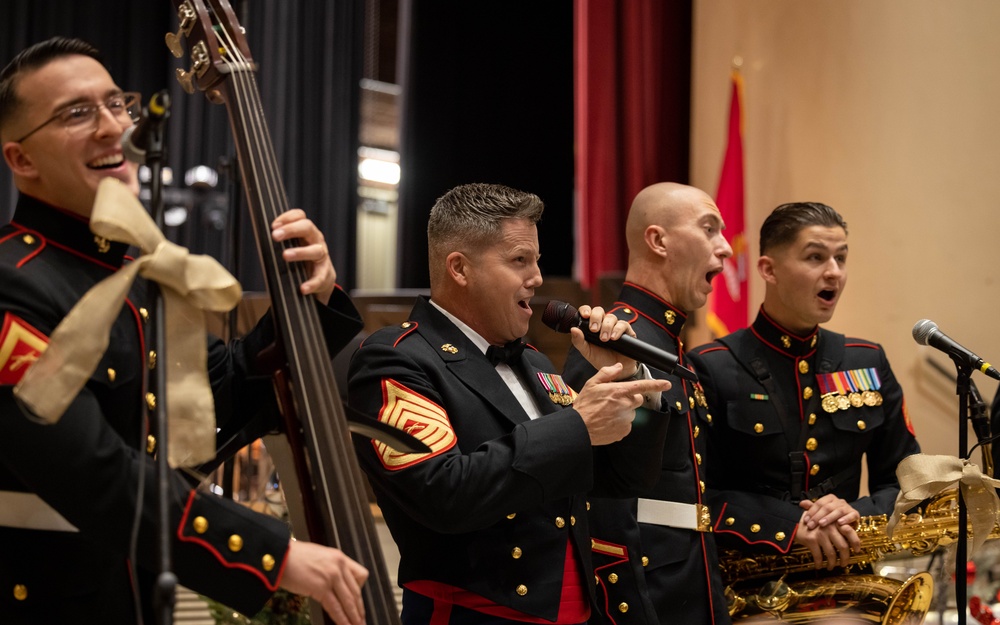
136, 139
926, 332
560, 316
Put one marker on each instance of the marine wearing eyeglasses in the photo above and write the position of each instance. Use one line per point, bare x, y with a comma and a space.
82, 117
71, 488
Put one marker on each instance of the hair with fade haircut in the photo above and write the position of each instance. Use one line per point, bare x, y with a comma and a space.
33, 58
470, 217
785, 222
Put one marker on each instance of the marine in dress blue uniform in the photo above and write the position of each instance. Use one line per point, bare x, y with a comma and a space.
794, 407
70, 559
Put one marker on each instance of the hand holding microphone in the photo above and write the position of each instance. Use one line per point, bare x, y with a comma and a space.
560, 316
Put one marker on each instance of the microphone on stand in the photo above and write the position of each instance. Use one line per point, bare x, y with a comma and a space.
560, 316
135, 140
926, 332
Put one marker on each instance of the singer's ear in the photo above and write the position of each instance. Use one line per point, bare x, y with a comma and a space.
656, 239
765, 267
18, 160
457, 264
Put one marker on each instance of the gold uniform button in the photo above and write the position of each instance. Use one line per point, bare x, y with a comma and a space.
680, 406
779, 536
814, 469
572, 520
613, 578
627, 311
597, 580
697, 431
623, 607
151, 401
645, 561
235, 543
758, 427
691, 401
511, 515
588, 505
152, 360
730, 521
811, 444
701, 483
150, 444
111, 374
144, 314
267, 562
862, 425
515, 553
30, 240
200, 524
697, 458
405, 325
812, 418
20, 592
807, 392
754, 528
560, 522
521, 589
708, 417
803, 367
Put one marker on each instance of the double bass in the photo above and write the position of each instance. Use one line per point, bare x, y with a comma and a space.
334, 502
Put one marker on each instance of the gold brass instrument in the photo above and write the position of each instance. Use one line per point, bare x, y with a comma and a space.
867, 598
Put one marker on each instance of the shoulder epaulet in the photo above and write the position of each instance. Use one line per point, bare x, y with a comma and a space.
390, 335
625, 313
709, 347
18, 246
851, 341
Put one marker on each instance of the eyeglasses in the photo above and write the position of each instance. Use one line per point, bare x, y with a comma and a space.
82, 116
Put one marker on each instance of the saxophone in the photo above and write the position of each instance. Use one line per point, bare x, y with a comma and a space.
867, 598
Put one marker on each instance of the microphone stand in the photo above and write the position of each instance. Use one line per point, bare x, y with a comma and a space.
165, 592
963, 389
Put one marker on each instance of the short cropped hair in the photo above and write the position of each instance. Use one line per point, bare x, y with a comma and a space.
33, 58
469, 217
785, 222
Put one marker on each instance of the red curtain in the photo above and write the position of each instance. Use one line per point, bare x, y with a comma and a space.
632, 84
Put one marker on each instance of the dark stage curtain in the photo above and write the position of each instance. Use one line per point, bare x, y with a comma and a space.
309, 54
487, 97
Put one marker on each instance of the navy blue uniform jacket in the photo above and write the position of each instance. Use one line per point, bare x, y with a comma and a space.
491, 509
87, 466
653, 573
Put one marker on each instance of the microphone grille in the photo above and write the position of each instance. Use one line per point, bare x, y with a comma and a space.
923, 330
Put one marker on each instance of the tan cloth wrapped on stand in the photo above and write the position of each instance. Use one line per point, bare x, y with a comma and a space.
922, 476
189, 283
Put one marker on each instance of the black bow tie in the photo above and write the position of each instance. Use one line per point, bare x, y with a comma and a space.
508, 354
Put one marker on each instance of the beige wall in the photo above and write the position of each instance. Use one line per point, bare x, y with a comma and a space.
889, 111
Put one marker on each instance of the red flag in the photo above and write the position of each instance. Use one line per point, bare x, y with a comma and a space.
727, 308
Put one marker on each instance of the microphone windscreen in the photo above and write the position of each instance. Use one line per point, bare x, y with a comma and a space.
560, 316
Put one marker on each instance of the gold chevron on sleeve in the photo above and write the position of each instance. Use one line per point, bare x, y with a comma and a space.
20, 347
419, 417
